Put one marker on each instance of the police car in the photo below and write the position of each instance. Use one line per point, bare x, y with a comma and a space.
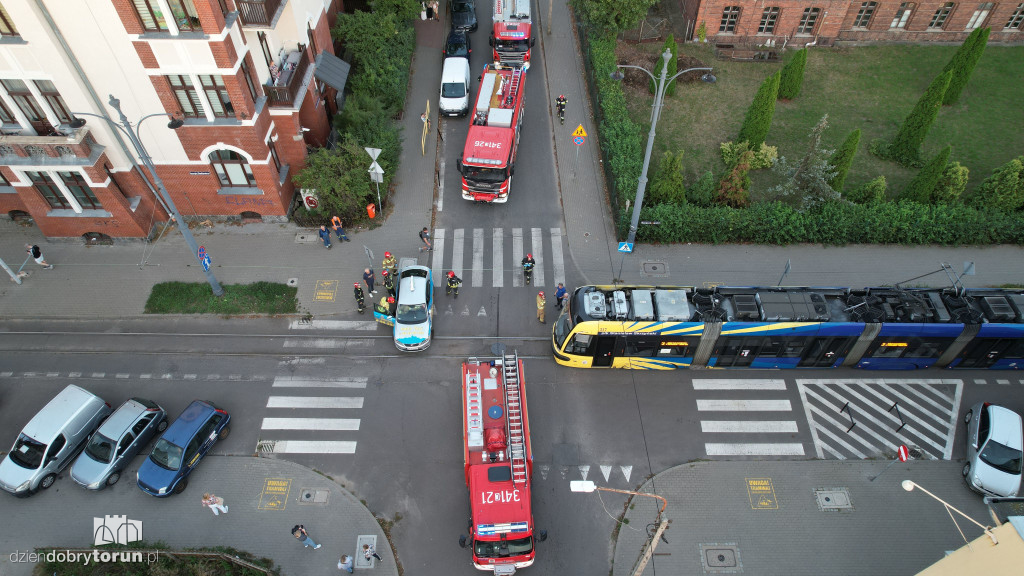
414, 313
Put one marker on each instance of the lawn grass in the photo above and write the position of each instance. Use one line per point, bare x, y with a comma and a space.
198, 298
872, 88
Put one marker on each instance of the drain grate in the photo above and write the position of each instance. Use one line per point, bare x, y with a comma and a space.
311, 496
721, 558
833, 499
659, 269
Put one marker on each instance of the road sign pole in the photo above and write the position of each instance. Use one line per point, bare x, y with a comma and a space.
902, 454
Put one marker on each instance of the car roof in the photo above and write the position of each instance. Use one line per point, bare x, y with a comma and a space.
413, 289
1006, 427
122, 419
62, 408
191, 420
456, 33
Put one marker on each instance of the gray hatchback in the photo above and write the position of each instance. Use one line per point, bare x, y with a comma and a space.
117, 441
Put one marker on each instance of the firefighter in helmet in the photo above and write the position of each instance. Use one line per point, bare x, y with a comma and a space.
528, 263
389, 283
453, 284
390, 264
358, 292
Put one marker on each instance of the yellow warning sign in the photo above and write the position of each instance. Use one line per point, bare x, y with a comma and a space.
275, 493
762, 494
580, 132
325, 291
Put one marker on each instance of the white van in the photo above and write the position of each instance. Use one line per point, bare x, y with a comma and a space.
454, 87
51, 440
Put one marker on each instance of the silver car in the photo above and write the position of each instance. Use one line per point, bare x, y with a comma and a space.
117, 441
994, 443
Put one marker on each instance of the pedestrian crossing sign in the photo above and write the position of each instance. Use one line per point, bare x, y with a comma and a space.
580, 132
625, 247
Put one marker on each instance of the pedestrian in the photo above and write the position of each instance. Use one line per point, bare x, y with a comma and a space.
540, 306
370, 551
299, 531
560, 296
425, 236
214, 503
37, 255
369, 278
339, 229
325, 235
390, 264
389, 283
345, 563
358, 293
437, 13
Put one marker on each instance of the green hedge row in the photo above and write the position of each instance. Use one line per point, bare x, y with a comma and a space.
834, 223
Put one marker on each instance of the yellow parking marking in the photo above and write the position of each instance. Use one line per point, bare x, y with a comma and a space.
325, 291
275, 493
762, 494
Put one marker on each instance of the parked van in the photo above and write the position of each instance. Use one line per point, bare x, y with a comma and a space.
51, 440
454, 87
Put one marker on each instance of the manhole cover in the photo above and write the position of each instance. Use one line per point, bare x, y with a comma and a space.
654, 269
833, 499
311, 496
720, 558
293, 282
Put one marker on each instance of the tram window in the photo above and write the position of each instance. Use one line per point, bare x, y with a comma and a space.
580, 344
1015, 351
794, 347
641, 347
925, 348
772, 347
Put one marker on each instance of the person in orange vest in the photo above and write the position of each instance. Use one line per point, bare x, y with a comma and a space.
339, 229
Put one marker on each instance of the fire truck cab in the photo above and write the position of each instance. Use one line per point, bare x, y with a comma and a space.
511, 37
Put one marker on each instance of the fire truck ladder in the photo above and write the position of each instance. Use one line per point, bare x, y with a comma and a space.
514, 425
511, 96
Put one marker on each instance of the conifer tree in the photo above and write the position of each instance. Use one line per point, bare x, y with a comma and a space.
962, 64
673, 67
792, 77
759, 115
842, 159
951, 186
905, 148
1004, 189
921, 187
668, 185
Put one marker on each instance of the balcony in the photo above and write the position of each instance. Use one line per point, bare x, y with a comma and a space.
289, 80
75, 147
259, 13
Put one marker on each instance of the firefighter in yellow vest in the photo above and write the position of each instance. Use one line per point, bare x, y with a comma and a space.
390, 264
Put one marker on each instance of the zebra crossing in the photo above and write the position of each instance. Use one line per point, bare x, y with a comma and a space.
474, 242
311, 415
765, 429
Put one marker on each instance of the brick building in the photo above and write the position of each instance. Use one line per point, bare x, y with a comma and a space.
243, 75
824, 22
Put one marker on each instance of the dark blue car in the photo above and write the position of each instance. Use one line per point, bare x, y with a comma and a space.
181, 447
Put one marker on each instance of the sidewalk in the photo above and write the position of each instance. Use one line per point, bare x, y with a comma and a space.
720, 526
265, 498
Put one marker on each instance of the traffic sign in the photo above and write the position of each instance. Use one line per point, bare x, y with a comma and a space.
625, 246
651, 222
201, 253
580, 131
578, 140
206, 263
311, 202
373, 152
375, 168
903, 453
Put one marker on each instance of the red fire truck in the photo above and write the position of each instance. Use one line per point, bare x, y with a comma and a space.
510, 38
499, 463
488, 160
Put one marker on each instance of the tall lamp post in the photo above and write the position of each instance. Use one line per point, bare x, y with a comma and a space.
659, 100
909, 486
131, 131
649, 546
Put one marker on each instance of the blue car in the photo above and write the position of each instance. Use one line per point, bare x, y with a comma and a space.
181, 447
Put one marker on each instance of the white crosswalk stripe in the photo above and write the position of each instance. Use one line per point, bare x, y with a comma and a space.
497, 260
557, 263
451, 248
458, 242
517, 256
759, 430
478, 257
538, 255
297, 424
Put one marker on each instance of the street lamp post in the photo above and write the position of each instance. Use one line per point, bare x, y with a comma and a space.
131, 131
909, 486
650, 545
659, 100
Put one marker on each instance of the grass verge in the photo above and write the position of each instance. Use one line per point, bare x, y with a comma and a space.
197, 298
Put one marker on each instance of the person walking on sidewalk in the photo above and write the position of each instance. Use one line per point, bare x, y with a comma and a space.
390, 264
541, 302
214, 503
560, 296
325, 235
37, 255
369, 278
425, 236
299, 531
345, 563
389, 283
370, 551
339, 229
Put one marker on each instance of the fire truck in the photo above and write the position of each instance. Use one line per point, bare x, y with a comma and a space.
499, 463
488, 160
510, 38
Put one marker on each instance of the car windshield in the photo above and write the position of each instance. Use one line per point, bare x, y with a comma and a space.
1001, 457
456, 47
27, 453
100, 448
453, 90
411, 313
486, 175
166, 455
462, 7
499, 549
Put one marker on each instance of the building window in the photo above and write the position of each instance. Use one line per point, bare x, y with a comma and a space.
26, 102
902, 15
6, 24
808, 20
48, 190
75, 184
867, 10
185, 15
218, 96
247, 73
49, 93
939, 18
979, 16
232, 169
729, 17
1016, 18
5, 115
151, 15
188, 97
265, 47
273, 154
80, 190
768, 19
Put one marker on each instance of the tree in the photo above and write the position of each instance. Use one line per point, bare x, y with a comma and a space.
905, 148
952, 184
759, 115
668, 185
873, 191
1004, 189
807, 184
962, 64
792, 76
673, 67
339, 177
842, 159
613, 15
702, 193
920, 188
734, 188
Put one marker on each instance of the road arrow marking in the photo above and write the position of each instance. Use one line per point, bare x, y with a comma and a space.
584, 470
606, 470
626, 471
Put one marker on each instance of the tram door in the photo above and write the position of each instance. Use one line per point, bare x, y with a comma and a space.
985, 352
825, 351
604, 351
738, 352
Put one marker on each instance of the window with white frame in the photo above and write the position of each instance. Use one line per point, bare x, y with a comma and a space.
730, 14
232, 168
902, 15
768, 19
151, 15
940, 16
7, 28
808, 20
867, 10
1016, 18
979, 16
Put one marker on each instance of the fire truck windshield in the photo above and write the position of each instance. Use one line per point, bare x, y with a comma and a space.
503, 549
511, 45
484, 175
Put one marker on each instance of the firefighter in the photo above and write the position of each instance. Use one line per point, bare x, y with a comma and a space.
541, 302
453, 284
358, 292
528, 263
390, 264
389, 283
391, 306
560, 104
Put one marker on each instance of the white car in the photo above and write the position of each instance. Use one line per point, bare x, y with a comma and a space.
994, 443
414, 313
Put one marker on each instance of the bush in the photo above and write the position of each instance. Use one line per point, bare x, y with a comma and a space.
1004, 189
920, 188
668, 187
905, 147
842, 159
381, 45
873, 191
734, 189
764, 157
963, 62
951, 185
702, 193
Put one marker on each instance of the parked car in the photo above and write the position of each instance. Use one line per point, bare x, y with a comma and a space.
181, 447
51, 440
414, 313
117, 441
994, 443
463, 14
457, 44
454, 99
